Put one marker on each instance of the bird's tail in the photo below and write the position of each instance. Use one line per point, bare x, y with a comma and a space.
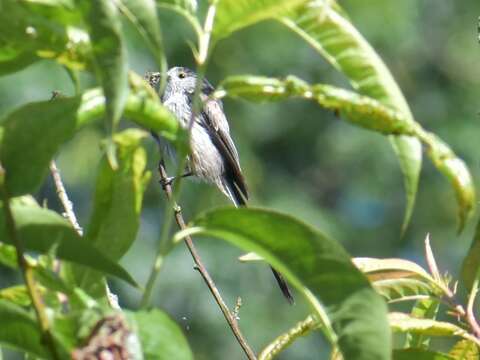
237, 197
283, 286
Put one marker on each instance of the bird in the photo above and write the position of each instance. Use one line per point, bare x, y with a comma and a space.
213, 156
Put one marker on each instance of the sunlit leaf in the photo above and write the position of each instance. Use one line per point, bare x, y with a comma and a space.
31, 30
8, 256
28, 143
318, 267
160, 336
419, 354
233, 15
400, 322
362, 111
465, 350
41, 229
322, 24
118, 195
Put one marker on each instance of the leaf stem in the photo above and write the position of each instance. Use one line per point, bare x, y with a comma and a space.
283, 341
27, 270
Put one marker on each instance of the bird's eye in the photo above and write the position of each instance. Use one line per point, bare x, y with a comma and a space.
182, 75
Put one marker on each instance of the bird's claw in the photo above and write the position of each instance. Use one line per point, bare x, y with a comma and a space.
167, 181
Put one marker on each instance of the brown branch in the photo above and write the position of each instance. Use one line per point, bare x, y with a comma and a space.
229, 316
27, 270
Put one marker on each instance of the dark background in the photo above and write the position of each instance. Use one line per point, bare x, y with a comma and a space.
297, 158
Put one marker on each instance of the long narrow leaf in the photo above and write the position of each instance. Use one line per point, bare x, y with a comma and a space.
366, 112
323, 25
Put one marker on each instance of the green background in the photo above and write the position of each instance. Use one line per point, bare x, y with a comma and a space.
297, 158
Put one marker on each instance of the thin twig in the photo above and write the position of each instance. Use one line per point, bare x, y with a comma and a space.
72, 218
62, 195
27, 270
229, 316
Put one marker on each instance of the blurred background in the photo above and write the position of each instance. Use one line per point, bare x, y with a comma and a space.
297, 158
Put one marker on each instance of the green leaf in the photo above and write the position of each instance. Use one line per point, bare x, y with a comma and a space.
322, 24
419, 354
41, 230
143, 14
190, 6
31, 30
380, 269
109, 54
20, 331
8, 256
423, 309
471, 262
464, 350
352, 313
28, 143
118, 195
16, 294
160, 336
400, 322
233, 15
366, 112
394, 290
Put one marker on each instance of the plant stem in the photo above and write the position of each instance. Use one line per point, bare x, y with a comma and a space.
283, 341
229, 316
470, 314
62, 195
27, 270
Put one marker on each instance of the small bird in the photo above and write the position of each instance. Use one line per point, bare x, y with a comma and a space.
213, 157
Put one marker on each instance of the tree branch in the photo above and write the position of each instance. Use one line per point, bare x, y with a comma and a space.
27, 270
229, 316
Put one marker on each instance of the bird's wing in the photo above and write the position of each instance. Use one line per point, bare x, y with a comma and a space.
216, 123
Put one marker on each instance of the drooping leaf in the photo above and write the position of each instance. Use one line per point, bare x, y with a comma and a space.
366, 112
118, 195
109, 55
401, 322
143, 14
160, 336
318, 267
233, 15
465, 350
324, 26
419, 354
41, 230
28, 143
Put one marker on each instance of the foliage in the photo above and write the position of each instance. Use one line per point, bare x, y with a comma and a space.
64, 307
